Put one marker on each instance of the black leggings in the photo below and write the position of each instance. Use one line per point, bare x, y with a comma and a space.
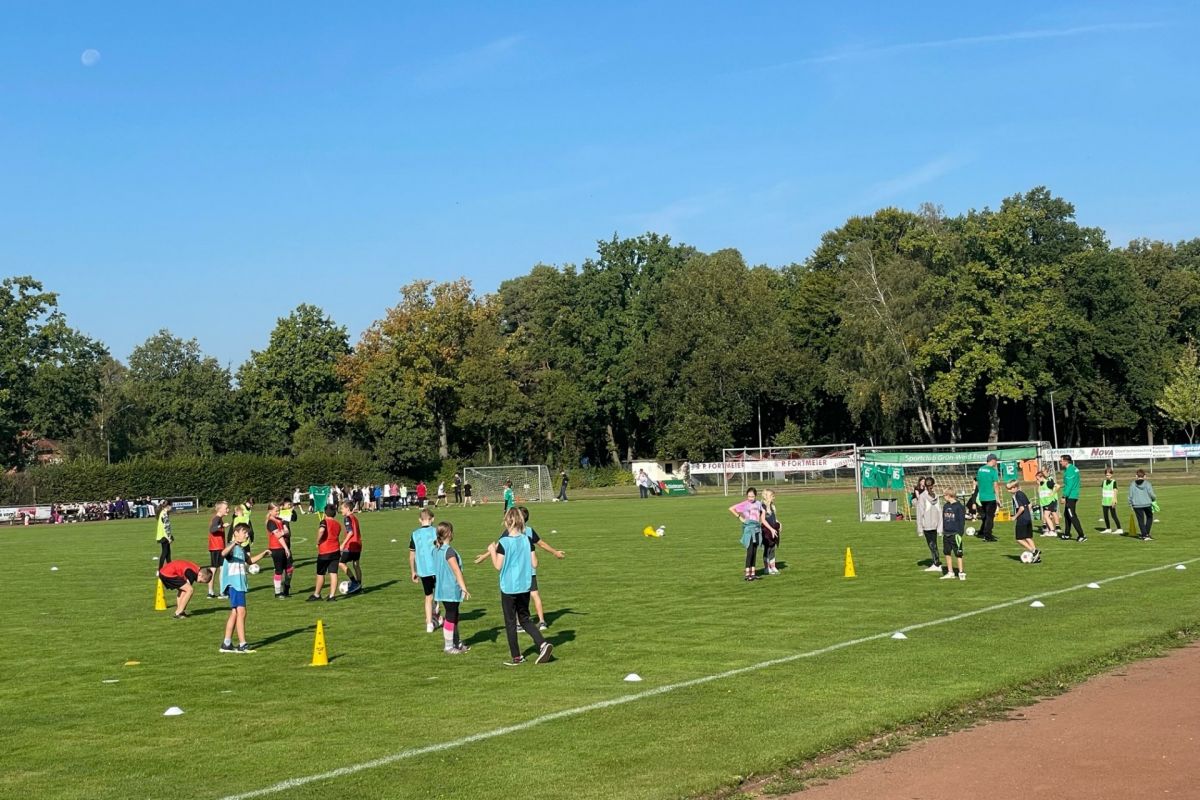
989, 518
450, 611
1071, 517
769, 552
164, 556
1111, 511
751, 553
931, 541
1145, 518
516, 612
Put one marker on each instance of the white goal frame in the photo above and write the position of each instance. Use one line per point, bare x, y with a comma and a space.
531, 482
790, 465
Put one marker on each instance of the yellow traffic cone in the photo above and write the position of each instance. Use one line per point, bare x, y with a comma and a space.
1131, 530
648, 532
320, 657
160, 601
849, 565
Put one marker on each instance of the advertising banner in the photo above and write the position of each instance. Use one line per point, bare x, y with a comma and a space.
772, 465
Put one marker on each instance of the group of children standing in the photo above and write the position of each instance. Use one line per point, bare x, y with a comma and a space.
437, 566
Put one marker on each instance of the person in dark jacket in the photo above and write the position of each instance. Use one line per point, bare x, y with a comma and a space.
1142, 500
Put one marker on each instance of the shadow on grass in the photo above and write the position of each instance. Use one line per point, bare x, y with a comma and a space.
474, 613
555, 615
377, 587
279, 637
490, 635
559, 638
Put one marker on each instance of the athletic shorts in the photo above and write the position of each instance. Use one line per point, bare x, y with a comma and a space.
279, 558
1051, 507
327, 562
215, 559
427, 583
533, 584
174, 584
1024, 531
350, 555
952, 544
237, 598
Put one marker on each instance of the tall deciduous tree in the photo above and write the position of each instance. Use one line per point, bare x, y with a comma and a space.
183, 398
1181, 396
295, 381
420, 342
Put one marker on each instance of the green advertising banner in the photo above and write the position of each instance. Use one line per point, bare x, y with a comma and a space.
917, 457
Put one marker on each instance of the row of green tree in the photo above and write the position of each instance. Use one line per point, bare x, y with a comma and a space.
901, 327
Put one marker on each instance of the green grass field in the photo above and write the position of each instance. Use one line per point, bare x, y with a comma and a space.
672, 610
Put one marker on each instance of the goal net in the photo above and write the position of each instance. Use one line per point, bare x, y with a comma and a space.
888, 475
530, 482
780, 467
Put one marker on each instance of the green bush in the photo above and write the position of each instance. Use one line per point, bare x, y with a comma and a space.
596, 477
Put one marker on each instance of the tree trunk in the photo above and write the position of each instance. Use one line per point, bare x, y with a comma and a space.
955, 430
993, 420
443, 439
1031, 422
491, 452
610, 441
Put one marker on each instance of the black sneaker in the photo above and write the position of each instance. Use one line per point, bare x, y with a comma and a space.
1081, 539
245, 648
212, 596
515, 662
312, 598
181, 615
227, 648
544, 653
330, 599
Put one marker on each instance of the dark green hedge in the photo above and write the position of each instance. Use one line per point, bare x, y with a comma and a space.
233, 477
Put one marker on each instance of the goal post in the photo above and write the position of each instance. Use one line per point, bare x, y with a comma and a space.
784, 466
887, 475
531, 482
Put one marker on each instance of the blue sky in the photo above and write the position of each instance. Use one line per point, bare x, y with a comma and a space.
222, 162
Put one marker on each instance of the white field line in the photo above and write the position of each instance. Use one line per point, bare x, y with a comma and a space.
404, 755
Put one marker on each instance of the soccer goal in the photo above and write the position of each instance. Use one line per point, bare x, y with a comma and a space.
887, 475
777, 467
531, 482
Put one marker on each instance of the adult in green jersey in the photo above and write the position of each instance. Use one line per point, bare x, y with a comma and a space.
1070, 499
989, 490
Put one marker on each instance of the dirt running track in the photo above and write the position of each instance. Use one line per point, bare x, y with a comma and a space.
1131, 734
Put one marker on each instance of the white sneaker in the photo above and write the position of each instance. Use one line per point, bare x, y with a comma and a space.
1119, 532
429, 627
1051, 534
949, 576
962, 576
1107, 530
933, 568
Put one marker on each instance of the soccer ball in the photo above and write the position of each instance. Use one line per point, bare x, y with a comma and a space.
344, 587
253, 569
554, 500
970, 531
1027, 557
662, 531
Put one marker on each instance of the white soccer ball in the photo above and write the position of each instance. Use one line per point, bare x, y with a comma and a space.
344, 587
553, 499
662, 531
1027, 557
970, 531
253, 569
